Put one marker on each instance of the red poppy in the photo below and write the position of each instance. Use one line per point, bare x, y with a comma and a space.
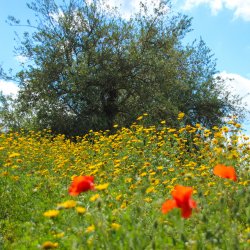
225, 172
181, 199
81, 184
168, 205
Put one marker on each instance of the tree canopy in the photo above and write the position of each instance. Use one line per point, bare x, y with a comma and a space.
89, 68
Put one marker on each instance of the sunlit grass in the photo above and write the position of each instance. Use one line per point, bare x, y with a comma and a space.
135, 171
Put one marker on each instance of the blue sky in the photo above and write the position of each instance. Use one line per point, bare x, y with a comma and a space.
223, 24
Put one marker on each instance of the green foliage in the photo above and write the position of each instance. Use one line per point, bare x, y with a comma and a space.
89, 68
12, 116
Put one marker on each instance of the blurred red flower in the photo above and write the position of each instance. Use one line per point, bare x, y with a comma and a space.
81, 184
181, 199
225, 172
168, 205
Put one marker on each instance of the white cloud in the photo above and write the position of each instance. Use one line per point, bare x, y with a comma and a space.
56, 16
8, 88
21, 59
241, 8
125, 7
238, 85
128, 7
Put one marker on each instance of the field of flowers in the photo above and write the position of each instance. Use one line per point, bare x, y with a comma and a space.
138, 188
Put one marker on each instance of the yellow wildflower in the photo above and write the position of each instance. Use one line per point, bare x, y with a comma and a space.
211, 184
128, 180
237, 125
118, 197
80, 210
13, 155
15, 178
218, 135
94, 197
181, 116
49, 245
173, 180
147, 199
115, 226
171, 130
206, 193
67, 204
59, 235
5, 173
51, 213
90, 229
124, 204
102, 186
202, 167
225, 129
150, 190
244, 183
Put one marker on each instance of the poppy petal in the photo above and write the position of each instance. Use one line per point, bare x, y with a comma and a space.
225, 172
168, 205
192, 203
81, 184
181, 194
186, 212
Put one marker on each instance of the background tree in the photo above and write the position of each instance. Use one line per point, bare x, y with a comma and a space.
12, 117
88, 68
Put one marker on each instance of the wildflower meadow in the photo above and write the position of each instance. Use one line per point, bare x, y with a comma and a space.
142, 187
